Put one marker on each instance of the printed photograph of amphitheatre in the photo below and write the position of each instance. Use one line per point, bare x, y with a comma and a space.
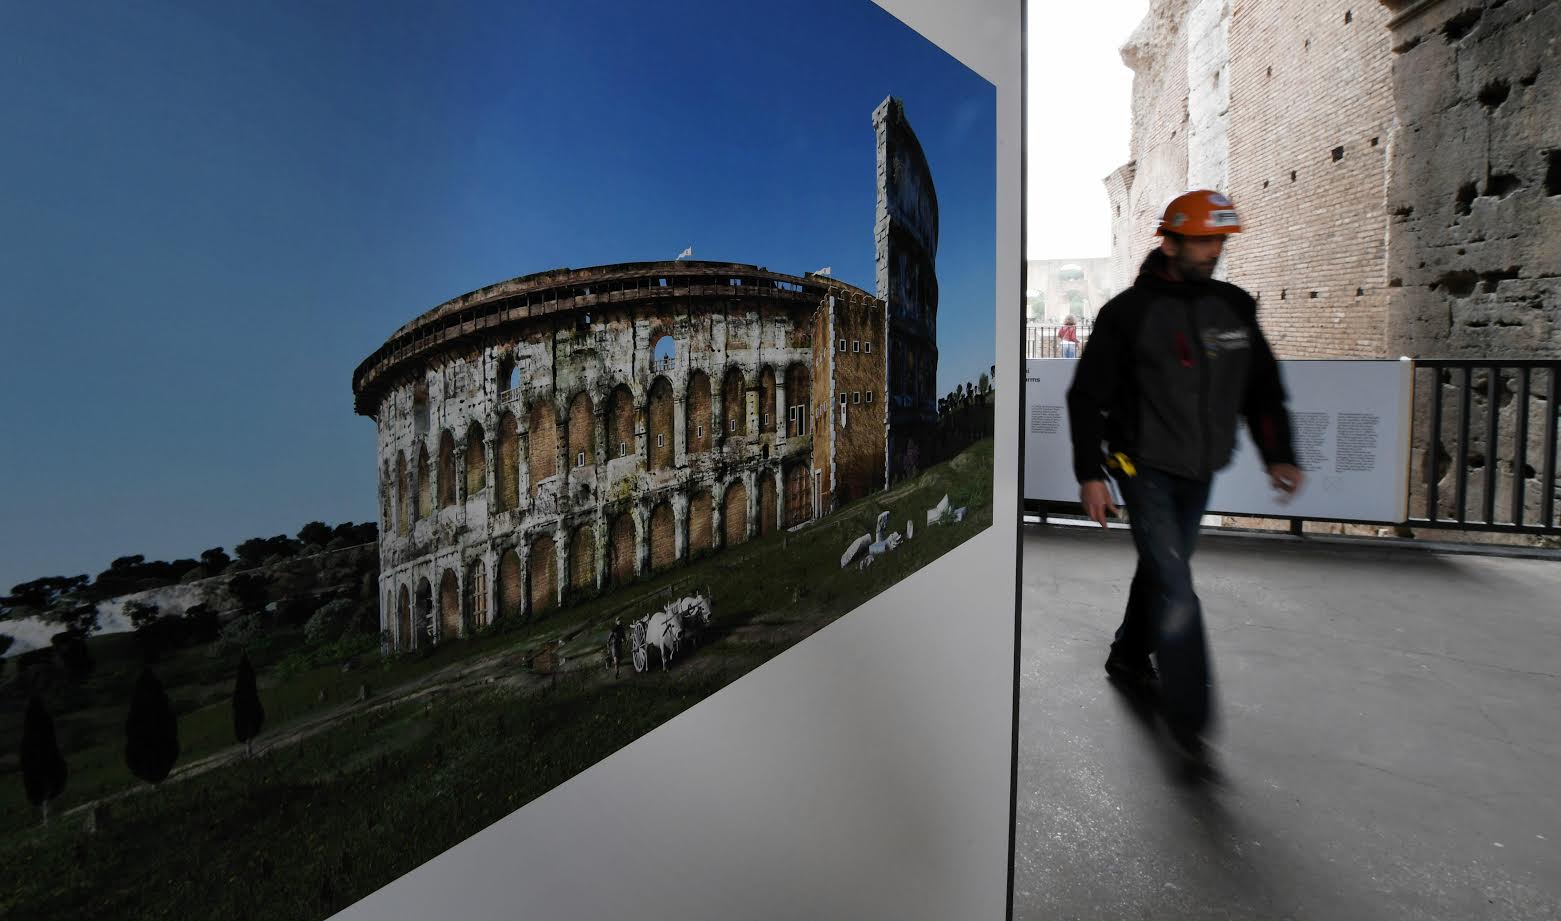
736, 380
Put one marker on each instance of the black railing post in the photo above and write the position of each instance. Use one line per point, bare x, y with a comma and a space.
1520, 452
1547, 516
1433, 492
1492, 419
1461, 474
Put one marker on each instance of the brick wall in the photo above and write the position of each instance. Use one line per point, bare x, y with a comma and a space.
620, 548
476, 464
541, 451
734, 515
701, 512
659, 437
582, 559
1311, 110
767, 517
543, 564
699, 421
582, 430
663, 537
510, 585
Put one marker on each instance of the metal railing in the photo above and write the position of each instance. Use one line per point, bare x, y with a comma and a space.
1479, 429
1040, 339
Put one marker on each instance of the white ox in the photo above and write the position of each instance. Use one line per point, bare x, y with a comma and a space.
665, 630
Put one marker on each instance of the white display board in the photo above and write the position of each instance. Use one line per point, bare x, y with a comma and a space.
1350, 422
836, 781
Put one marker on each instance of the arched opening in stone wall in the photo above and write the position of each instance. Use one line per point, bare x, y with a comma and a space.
767, 400
701, 517
449, 606
663, 537
734, 514
420, 408
423, 624
582, 559
542, 574
659, 433
446, 469
403, 620
510, 584
620, 548
506, 474
425, 484
582, 431
402, 498
477, 595
509, 375
542, 444
767, 500
387, 491
799, 400
698, 421
663, 353
799, 493
476, 463
620, 428
734, 412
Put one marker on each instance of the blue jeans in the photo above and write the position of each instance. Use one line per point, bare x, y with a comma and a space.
1163, 614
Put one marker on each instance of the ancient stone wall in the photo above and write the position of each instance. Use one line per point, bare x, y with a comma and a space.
594, 473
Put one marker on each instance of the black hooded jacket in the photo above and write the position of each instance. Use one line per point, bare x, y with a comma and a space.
1166, 371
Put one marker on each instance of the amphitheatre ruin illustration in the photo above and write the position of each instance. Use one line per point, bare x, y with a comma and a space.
570, 431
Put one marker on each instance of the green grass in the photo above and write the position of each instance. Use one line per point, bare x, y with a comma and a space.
306, 828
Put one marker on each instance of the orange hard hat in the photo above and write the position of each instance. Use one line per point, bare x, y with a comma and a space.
1200, 213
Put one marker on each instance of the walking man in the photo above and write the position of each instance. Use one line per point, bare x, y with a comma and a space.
1171, 363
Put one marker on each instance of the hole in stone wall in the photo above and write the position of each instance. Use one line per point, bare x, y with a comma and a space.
1395, 282
1282, 293
1492, 279
1553, 172
1359, 292
1338, 154
1314, 295
1459, 284
1292, 175
1528, 472
1530, 79
1409, 45
1460, 25
1494, 93
1476, 461
1404, 211
1306, 45
1348, 16
1466, 195
1271, 70
1265, 183
1373, 142
1500, 185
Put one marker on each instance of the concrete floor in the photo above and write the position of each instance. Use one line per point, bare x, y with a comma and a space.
1390, 739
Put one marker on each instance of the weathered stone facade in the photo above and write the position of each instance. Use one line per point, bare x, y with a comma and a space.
533, 446
906, 231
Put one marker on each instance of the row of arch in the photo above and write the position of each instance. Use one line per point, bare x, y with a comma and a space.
588, 439
549, 568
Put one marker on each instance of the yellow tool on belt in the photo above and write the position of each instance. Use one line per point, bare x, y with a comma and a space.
1120, 461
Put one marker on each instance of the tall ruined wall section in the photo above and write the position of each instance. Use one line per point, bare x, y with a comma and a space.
1474, 251
1157, 54
1310, 130
906, 236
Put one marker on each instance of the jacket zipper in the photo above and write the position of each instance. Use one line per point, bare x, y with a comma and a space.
1202, 359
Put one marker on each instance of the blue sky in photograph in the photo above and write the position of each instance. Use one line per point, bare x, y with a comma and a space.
214, 211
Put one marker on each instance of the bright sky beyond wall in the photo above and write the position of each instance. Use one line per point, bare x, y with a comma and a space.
214, 211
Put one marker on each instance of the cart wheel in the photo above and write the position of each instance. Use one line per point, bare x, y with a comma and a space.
641, 661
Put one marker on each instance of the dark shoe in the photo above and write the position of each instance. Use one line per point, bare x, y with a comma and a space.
1136, 673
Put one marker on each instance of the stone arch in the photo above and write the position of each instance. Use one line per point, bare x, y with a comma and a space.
476, 463
734, 514
620, 422
701, 518
621, 550
697, 422
506, 476
403, 620
582, 559
734, 411
766, 400
799, 493
663, 536
402, 498
446, 469
477, 594
658, 433
511, 584
449, 606
799, 399
663, 352
542, 574
767, 500
425, 485
582, 431
423, 610
542, 444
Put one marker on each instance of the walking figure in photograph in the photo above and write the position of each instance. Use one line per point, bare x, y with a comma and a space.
1068, 337
1171, 363
615, 641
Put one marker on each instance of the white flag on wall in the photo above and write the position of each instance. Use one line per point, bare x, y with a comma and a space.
686, 253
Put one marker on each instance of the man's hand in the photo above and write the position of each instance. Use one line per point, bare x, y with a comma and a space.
1287, 478
1096, 499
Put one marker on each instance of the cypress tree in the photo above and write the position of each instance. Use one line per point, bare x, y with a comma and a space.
43, 767
151, 731
248, 714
